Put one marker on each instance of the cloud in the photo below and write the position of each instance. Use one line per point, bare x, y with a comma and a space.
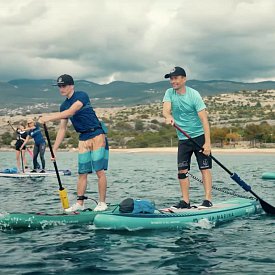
137, 40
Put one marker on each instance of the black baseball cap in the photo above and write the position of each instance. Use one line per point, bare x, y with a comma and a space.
175, 72
64, 79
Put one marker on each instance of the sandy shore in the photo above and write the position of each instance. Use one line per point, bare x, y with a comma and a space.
174, 150
214, 150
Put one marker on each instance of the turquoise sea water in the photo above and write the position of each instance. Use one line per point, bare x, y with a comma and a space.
244, 246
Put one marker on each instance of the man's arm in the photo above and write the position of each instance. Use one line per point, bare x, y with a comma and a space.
62, 115
205, 124
166, 111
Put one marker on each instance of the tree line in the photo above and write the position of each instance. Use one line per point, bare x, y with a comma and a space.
143, 133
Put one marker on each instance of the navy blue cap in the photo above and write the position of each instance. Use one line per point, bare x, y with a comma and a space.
64, 79
175, 72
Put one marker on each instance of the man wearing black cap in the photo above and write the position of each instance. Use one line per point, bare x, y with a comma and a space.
93, 145
184, 107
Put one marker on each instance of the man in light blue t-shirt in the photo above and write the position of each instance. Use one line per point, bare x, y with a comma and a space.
184, 107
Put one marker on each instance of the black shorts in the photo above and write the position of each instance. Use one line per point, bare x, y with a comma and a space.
18, 146
185, 150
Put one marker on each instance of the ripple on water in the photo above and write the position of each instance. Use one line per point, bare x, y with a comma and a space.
244, 246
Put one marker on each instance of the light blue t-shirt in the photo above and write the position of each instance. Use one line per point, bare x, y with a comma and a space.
185, 110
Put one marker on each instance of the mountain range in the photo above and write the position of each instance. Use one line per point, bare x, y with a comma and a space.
23, 92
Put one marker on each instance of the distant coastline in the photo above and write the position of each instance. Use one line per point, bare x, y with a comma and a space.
214, 150
174, 150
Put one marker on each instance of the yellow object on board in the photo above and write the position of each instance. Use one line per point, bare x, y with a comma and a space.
64, 198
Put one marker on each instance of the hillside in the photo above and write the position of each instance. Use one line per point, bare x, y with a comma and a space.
227, 109
27, 93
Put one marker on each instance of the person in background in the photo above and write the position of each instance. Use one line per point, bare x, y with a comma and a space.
39, 148
93, 145
21, 136
184, 106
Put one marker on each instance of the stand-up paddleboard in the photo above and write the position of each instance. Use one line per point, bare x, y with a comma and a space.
161, 219
43, 220
48, 173
268, 175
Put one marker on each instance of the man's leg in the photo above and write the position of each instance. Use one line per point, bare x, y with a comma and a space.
207, 182
102, 185
184, 185
184, 157
81, 186
205, 165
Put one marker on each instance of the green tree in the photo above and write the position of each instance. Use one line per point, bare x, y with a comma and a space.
218, 135
7, 138
139, 125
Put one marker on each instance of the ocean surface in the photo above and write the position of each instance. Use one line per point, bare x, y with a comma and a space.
243, 246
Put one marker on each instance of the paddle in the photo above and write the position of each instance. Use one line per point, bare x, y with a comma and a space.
62, 191
22, 162
269, 209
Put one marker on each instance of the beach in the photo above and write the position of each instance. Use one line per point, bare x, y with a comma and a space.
171, 150
214, 150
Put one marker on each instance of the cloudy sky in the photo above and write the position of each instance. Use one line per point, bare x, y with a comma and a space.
137, 40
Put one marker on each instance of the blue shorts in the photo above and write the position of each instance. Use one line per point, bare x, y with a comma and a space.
93, 154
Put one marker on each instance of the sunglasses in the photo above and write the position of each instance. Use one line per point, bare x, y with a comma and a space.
61, 86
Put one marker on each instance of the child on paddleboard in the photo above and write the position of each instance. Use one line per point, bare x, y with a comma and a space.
21, 135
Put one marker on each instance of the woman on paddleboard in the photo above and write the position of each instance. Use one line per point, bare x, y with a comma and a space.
184, 107
39, 148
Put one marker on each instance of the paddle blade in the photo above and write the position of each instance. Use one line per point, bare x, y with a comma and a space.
64, 198
269, 209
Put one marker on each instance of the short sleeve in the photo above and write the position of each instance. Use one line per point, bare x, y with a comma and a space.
83, 98
167, 96
199, 104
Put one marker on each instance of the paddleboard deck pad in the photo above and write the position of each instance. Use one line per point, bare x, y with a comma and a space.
164, 219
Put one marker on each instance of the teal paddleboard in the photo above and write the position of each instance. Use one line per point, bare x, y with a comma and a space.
43, 220
268, 175
163, 219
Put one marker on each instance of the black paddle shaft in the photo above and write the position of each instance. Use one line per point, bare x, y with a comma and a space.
266, 206
52, 154
22, 161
